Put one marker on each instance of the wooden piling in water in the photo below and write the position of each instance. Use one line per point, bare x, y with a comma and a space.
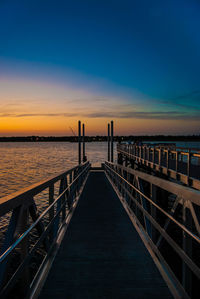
79, 142
83, 140
108, 142
111, 140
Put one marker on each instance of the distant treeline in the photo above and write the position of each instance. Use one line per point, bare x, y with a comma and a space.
101, 138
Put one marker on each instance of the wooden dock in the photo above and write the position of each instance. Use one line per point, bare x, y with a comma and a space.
102, 255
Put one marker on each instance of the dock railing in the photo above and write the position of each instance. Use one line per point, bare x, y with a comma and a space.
177, 162
166, 216
30, 237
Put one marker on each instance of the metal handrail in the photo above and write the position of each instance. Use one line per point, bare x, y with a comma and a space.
20, 239
71, 183
125, 180
187, 190
177, 164
164, 146
177, 189
173, 149
15, 199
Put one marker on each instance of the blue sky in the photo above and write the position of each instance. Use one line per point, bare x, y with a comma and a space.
141, 53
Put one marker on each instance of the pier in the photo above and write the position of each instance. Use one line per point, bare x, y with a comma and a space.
173, 162
120, 230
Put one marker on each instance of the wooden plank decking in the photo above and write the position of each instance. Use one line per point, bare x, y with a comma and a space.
102, 255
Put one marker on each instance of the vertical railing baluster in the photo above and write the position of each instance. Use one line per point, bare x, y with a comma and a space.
159, 156
64, 198
189, 165
153, 211
187, 247
153, 158
57, 219
51, 211
24, 247
9, 238
167, 160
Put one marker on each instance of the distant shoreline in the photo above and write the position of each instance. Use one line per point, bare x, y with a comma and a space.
191, 138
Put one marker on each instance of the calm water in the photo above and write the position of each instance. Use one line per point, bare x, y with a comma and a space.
23, 163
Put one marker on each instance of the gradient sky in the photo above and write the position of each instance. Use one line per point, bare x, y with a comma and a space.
136, 62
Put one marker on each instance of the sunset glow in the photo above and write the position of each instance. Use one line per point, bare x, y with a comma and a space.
48, 82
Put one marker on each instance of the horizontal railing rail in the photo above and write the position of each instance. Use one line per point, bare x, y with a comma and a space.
31, 236
167, 214
178, 163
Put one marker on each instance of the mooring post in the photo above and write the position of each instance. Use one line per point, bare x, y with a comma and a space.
79, 142
111, 140
83, 140
108, 142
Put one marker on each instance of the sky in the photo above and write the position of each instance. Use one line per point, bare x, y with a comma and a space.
134, 62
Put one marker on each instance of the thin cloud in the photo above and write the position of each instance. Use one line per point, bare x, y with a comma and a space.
89, 99
192, 97
38, 114
159, 115
168, 115
187, 95
186, 106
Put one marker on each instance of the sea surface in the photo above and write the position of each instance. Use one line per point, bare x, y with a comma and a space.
25, 163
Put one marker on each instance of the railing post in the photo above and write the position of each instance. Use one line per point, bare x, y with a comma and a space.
188, 165
153, 158
187, 247
59, 203
8, 240
108, 142
167, 162
64, 198
153, 211
79, 142
177, 157
51, 211
148, 149
23, 247
159, 157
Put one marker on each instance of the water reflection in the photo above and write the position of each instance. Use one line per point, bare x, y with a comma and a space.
23, 163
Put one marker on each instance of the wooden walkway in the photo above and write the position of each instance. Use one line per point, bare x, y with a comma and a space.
102, 255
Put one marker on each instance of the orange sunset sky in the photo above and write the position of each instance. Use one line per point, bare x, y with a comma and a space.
98, 61
46, 107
